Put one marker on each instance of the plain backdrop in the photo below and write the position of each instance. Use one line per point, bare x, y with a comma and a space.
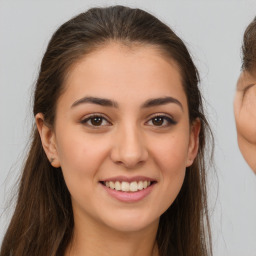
212, 31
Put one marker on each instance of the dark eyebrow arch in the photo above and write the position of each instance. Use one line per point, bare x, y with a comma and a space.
161, 101
94, 100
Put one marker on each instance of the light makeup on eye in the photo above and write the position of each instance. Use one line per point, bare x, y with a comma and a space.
161, 120
95, 121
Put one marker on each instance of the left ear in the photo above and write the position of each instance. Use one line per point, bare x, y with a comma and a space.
193, 141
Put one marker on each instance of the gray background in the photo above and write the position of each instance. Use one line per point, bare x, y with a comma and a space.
212, 31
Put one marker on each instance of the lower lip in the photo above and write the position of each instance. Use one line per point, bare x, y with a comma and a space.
129, 197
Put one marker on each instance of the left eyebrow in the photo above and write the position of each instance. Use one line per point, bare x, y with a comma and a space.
161, 101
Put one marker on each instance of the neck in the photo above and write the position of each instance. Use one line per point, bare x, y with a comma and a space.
91, 240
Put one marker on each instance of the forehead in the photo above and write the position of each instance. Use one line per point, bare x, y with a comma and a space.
136, 71
117, 52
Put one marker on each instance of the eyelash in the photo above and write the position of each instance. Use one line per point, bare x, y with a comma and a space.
170, 121
91, 117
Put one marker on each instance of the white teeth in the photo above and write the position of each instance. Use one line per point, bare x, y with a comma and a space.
133, 186
117, 185
112, 184
140, 185
125, 186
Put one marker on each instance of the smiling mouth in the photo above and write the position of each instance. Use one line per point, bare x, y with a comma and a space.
125, 186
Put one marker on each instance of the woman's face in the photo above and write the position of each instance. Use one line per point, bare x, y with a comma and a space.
122, 137
245, 115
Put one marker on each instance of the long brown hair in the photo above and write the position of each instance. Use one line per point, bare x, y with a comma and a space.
42, 223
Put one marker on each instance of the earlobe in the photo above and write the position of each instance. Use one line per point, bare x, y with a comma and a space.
48, 140
193, 141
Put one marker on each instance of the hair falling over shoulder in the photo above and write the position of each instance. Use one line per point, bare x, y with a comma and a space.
42, 223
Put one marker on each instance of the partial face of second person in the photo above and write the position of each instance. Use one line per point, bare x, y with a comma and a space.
245, 115
122, 137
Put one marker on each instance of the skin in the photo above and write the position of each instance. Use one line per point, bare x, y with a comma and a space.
126, 143
245, 115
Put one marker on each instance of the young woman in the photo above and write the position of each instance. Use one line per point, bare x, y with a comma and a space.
117, 161
245, 99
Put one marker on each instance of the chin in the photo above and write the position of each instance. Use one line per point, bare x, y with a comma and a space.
132, 223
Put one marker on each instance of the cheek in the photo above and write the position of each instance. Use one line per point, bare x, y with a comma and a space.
171, 152
249, 102
170, 155
173, 164
245, 115
80, 156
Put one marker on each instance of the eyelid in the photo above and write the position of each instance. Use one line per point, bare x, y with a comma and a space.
86, 118
169, 118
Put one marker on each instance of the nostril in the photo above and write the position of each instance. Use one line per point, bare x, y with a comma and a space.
119, 162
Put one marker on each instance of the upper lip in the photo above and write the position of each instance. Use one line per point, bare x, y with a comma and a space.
129, 179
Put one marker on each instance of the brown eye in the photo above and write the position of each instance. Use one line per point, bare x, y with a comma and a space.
95, 121
158, 120
161, 121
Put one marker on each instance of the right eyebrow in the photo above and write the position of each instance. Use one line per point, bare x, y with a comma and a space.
95, 100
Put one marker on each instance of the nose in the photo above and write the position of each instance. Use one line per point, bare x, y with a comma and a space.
129, 148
